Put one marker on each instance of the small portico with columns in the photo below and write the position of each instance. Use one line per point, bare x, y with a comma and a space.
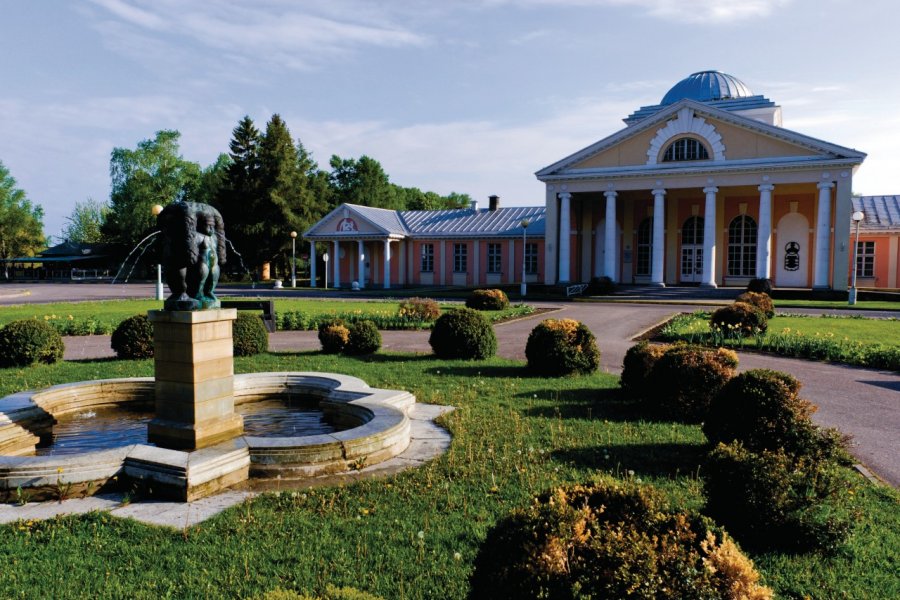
706, 188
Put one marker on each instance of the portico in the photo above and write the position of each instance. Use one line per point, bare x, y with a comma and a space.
705, 189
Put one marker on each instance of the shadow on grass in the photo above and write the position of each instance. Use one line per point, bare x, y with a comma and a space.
652, 460
585, 403
100, 360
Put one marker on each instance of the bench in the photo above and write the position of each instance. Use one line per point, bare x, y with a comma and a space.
266, 306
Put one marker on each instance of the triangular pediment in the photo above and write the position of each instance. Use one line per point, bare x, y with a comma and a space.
728, 138
349, 220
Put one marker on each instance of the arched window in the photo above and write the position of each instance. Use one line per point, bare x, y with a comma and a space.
685, 149
692, 232
742, 247
644, 246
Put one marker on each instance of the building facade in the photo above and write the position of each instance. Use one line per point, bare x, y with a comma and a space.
704, 188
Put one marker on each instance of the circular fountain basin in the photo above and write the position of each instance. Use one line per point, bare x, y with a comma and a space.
371, 425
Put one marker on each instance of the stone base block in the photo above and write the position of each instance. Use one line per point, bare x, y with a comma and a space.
192, 436
187, 476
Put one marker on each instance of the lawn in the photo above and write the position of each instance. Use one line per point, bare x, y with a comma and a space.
839, 304
414, 535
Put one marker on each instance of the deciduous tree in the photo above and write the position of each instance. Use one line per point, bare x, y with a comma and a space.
85, 222
21, 223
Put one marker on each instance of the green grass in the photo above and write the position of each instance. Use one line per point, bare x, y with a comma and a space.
513, 436
860, 305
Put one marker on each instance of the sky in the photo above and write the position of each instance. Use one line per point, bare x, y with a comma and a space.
471, 96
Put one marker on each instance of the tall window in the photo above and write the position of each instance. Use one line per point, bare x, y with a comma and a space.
742, 247
427, 258
644, 246
685, 149
531, 258
460, 258
865, 259
494, 258
692, 232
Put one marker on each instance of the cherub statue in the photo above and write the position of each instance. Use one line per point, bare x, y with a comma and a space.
192, 252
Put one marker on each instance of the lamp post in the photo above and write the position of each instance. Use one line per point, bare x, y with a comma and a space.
159, 286
325, 260
523, 287
293, 259
857, 217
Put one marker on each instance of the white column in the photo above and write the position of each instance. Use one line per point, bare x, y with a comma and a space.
336, 259
312, 264
387, 264
565, 234
611, 249
823, 236
361, 272
764, 232
709, 238
659, 225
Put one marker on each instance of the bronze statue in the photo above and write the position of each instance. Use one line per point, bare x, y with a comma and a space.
193, 250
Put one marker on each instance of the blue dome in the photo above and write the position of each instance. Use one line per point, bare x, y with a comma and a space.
707, 86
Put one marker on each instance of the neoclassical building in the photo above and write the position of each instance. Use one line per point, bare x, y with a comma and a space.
705, 188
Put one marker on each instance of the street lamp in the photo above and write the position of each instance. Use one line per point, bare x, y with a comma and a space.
857, 217
293, 259
159, 286
523, 287
325, 260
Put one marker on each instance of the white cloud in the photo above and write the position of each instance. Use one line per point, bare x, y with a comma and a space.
685, 11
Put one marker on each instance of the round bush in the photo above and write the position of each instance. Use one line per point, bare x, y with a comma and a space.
609, 540
760, 286
775, 500
740, 318
422, 309
636, 367
685, 379
488, 300
133, 338
29, 341
762, 301
601, 286
249, 335
762, 410
463, 333
363, 338
561, 347
333, 337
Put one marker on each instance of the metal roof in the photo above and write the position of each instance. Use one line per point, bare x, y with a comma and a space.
706, 86
384, 218
882, 213
474, 222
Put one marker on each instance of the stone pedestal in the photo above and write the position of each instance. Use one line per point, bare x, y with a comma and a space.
194, 379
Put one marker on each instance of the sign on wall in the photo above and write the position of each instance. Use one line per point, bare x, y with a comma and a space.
792, 256
347, 225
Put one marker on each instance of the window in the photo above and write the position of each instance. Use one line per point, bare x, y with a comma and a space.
685, 149
494, 258
692, 232
427, 258
865, 259
460, 258
742, 247
531, 258
644, 246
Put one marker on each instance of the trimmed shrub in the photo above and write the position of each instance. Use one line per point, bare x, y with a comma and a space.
561, 347
760, 286
636, 367
423, 309
775, 500
601, 286
29, 341
333, 335
685, 379
488, 300
760, 300
363, 338
762, 410
133, 338
463, 333
739, 318
609, 540
249, 335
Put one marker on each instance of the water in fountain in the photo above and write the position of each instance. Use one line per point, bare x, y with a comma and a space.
133, 250
241, 260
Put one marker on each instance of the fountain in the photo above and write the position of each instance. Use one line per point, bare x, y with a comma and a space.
196, 443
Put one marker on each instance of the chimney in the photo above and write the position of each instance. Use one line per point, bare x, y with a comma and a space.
494, 202
474, 205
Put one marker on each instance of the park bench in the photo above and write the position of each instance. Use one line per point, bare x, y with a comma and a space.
266, 306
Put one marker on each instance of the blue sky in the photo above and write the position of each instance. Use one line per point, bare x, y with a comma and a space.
470, 96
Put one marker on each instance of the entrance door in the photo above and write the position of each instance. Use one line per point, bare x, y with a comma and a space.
692, 250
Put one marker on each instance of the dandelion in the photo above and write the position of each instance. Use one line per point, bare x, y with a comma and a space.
630, 473
421, 535
457, 556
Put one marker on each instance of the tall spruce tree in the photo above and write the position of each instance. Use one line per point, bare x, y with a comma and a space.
239, 195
